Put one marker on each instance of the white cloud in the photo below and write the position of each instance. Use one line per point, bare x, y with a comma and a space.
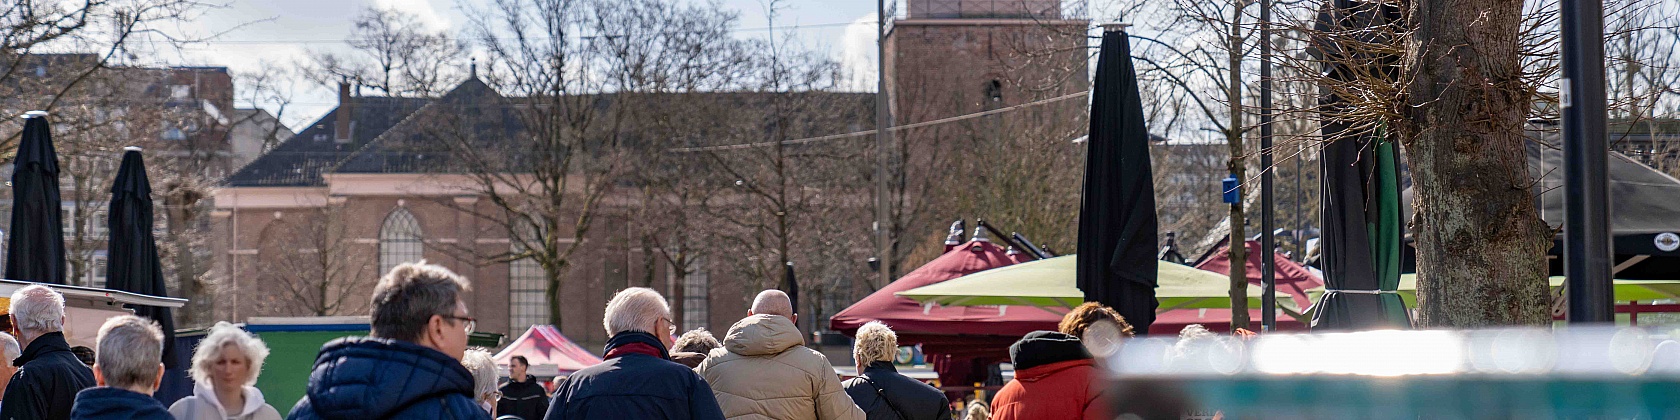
858, 54
428, 14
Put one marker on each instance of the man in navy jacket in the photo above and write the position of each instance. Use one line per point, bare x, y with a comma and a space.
638, 380
411, 367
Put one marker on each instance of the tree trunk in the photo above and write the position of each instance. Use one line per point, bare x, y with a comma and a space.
1481, 245
1234, 138
551, 280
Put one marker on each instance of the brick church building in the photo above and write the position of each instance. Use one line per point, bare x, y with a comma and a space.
321, 206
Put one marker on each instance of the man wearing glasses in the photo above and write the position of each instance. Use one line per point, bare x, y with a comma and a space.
411, 365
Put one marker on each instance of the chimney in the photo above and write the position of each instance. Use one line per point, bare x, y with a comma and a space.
341, 127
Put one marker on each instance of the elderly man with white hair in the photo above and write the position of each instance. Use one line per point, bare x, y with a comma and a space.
764, 369
638, 380
48, 374
127, 364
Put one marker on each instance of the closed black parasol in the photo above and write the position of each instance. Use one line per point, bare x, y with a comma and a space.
133, 256
35, 245
1117, 227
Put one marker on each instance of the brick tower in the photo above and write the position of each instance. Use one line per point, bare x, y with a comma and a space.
1017, 168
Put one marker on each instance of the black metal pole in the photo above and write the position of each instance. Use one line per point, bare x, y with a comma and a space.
1586, 230
1268, 299
883, 120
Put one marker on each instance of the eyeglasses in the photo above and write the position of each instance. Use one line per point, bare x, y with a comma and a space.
671, 327
471, 323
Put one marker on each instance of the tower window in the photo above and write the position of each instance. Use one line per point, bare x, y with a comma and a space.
994, 92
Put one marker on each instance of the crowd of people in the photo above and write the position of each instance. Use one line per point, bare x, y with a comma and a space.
415, 363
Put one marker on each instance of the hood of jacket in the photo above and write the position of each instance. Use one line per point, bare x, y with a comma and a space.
101, 403
372, 378
759, 335
253, 400
1039, 348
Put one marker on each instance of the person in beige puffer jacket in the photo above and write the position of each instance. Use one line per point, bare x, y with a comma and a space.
764, 370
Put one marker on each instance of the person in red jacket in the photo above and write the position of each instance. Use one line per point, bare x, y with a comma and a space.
1054, 379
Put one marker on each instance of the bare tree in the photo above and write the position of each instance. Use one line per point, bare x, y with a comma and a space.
395, 53
311, 267
571, 101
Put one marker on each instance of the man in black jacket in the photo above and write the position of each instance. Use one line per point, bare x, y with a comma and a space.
880, 390
48, 375
522, 396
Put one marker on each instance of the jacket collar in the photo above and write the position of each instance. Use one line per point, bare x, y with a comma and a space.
879, 366
46, 343
636, 342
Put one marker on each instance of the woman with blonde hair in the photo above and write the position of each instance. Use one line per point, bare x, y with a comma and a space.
224, 370
882, 392
977, 411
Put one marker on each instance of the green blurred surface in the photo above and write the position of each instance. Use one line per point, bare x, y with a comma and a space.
1420, 397
285, 375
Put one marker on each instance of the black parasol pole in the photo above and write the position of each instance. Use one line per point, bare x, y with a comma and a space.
1268, 299
1586, 231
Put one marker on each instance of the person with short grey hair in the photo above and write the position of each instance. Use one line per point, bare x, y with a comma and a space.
48, 375
693, 346
411, 365
637, 380
128, 368
224, 371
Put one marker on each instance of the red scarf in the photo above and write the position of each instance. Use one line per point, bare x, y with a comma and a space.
634, 348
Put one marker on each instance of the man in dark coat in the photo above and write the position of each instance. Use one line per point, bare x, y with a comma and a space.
411, 367
128, 370
522, 396
638, 380
48, 375
880, 390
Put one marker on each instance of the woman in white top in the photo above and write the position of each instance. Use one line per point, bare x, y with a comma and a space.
223, 370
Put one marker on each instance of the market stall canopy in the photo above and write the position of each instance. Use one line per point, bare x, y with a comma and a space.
1644, 214
87, 308
1625, 290
550, 353
1292, 278
911, 320
1049, 283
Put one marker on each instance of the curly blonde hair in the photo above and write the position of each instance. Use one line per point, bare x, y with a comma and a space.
1081, 318
875, 342
221, 335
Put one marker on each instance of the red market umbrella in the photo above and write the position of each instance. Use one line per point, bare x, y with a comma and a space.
961, 339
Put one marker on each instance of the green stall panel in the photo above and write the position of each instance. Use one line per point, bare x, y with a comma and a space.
285, 375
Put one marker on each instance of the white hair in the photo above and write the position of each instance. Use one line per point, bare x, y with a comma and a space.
773, 302
635, 309
37, 309
483, 368
211, 348
875, 342
9, 346
130, 351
